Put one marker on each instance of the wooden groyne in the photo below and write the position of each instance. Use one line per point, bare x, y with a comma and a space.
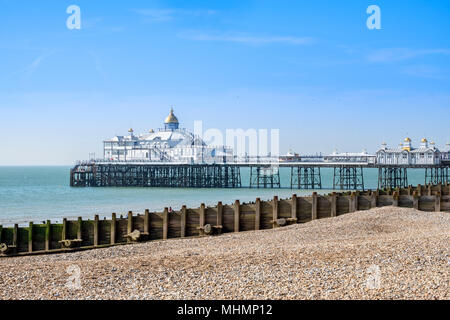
203, 221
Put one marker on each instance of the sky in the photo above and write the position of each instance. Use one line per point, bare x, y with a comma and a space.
312, 69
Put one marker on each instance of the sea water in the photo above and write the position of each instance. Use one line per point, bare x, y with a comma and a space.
41, 193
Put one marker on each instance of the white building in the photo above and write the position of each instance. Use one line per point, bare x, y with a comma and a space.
362, 157
170, 144
446, 153
406, 154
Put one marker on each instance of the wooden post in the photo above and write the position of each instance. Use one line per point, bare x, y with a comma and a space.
419, 190
96, 223
416, 200
1, 229
236, 215
275, 211
30, 237
437, 202
15, 234
373, 199
314, 206
439, 188
80, 225
64, 229
183, 221
333, 205
130, 222
147, 221
395, 199
430, 191
113, 228
202, 218
219, 216
294, 207
409, 190
165, 223
352, 203
47, 235
257, 213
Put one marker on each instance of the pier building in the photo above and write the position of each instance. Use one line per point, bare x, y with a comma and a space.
168, 144
363, 157
406, 154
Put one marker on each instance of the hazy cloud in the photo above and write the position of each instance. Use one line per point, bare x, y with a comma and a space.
244, 38
425, 71
162, 15
399, 54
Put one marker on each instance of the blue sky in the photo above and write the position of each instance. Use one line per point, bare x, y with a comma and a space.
310, 68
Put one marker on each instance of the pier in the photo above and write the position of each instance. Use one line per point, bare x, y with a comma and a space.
304, 174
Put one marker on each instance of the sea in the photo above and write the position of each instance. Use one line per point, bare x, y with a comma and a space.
36, 194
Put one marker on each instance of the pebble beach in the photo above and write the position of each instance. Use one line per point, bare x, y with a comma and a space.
383, 253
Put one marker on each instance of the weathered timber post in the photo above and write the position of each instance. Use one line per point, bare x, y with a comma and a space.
416, 200
48, 228
373, 199
15, 235
236, 215
202, 218
219, 217
79, 225
430, 191
165, 223
96, 222
419, 190
147, 221
113, 228
294, 207
437, 202
314, 206
64, 229
409, 190
183, 221
130, 222
351, 204
275, 211
257, 213
395, 199
333, 212
30, 237
439, 188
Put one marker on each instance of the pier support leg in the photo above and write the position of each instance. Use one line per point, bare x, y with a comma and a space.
265, 177
392, 177
307, 177
348, 178
436, 175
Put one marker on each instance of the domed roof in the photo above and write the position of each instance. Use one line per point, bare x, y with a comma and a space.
171, 117
407, 140
424, 140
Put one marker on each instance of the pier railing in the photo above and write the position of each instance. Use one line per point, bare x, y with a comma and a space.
204, 221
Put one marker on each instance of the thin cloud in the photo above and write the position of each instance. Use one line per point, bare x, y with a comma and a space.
163, 15
400, 54
425, 71
27, 71
244, 38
